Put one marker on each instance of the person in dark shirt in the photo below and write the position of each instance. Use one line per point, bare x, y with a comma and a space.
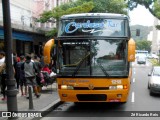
21, 76
38, 76
15, 61
30, 72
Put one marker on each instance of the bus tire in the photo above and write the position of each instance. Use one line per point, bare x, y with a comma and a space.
148, 86
77, 103
151, 93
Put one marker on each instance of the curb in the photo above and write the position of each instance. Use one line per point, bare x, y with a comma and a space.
49, 108
43, 111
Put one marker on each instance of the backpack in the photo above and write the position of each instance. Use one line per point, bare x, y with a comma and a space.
34, 67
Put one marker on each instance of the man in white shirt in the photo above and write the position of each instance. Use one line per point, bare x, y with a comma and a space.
3, 75
2, 57
2, 61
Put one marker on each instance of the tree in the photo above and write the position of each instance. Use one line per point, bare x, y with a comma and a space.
84, 6
152, 5
110, 6
143, 45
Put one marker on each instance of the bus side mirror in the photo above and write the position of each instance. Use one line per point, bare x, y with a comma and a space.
47, 51
131, 50
137, 32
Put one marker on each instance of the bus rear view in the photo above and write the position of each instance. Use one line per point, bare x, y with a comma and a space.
93, 55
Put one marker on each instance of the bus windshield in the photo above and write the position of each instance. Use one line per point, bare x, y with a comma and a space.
100, 57
93, 27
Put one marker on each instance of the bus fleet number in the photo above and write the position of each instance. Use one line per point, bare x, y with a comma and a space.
116, 81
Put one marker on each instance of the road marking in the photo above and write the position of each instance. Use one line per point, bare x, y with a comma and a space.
133, 80
132, 99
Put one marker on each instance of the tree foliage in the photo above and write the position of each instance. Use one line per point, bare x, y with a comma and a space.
149, 4
52, 32
67, 8
84, 6
110, 6
143, 45
152, 5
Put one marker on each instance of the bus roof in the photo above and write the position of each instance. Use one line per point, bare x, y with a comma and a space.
106, 15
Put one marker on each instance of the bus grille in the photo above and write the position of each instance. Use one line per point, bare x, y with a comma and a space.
96, 88
91, 97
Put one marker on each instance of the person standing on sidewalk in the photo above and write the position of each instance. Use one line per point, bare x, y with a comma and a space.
15, 61
3, 74
30, 74
38, 76
21, 76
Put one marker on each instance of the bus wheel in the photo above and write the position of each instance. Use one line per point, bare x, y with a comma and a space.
77, 103
124, 102
151, 93
148, 86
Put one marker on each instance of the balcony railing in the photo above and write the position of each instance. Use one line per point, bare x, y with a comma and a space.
37, 27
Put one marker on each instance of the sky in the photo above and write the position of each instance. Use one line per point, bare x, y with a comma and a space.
141, 16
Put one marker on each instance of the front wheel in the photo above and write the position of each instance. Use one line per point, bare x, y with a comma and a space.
77, 103
148, 86
151, 93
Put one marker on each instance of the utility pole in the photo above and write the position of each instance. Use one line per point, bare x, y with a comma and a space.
10, 82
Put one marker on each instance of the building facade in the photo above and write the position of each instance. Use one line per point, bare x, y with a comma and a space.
27, 34
154, 37
26, 38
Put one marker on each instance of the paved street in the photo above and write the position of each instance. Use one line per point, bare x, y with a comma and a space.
139, 102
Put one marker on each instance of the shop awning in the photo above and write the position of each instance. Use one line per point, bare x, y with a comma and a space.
18, 35
1, 34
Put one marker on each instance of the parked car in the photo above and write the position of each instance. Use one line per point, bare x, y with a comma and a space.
141, 60
152, 56
154, 80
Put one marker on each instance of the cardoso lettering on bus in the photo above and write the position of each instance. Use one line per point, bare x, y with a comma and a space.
88, 25
74, 81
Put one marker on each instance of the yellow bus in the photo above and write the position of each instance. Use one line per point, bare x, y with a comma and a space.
92, 54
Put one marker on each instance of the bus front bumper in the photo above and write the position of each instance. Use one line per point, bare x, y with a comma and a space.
93, 96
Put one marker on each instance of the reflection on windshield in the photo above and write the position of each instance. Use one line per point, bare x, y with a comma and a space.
111, 56
94, 58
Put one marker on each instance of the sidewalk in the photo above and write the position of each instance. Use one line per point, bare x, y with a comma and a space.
48, 99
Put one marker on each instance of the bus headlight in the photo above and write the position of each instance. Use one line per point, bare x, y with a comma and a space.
120, 87
67, 87
112, 87
115, 87
64, 87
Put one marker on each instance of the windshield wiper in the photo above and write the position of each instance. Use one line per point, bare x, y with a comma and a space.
102, 68
80, 63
